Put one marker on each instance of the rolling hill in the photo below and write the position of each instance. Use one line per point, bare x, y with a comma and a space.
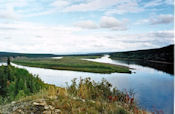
164, 54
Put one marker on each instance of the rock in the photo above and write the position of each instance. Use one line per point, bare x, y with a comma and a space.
83, 100
51, 107
74, 98
52, 97
46, 107
13, 102
92, 101
20, 111
42, 103
57, 111
35, 103
15, 108
47, 112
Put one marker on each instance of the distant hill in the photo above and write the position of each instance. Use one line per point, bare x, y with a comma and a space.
11, 54
164, 54
7, 54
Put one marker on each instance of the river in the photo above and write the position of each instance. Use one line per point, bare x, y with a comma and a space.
154, 88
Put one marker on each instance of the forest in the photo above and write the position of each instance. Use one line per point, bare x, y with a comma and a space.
16, 83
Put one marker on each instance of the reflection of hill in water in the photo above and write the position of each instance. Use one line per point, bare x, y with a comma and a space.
165, 67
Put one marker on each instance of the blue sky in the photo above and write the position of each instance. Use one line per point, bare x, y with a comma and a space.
83, 26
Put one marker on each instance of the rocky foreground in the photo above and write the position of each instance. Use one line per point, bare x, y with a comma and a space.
61, 103
39, 106
55, 105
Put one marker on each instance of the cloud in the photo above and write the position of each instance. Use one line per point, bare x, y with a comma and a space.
106, 22
162, 34
7, 9
9, 14
31, 8
126, 6
112, 23
91, 5
60, 3
40, 38
153, 3
109, 6
86, 24
25, 35
157, 19
162, 19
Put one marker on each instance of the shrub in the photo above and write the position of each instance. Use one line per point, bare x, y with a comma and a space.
87, 89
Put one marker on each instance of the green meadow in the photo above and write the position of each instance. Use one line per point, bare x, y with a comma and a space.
72, 63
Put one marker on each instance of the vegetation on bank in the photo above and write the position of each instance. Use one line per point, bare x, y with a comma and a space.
16, 83
85, 97
72, 63
164, 54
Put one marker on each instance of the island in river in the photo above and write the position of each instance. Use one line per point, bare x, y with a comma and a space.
73, 64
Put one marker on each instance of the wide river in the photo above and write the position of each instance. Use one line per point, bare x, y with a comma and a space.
154, 89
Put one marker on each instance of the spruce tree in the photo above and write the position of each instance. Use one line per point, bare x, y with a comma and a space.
8, 61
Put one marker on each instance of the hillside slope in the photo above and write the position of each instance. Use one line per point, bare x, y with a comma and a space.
164, 54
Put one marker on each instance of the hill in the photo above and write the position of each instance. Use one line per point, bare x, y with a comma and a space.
7, 54
164, 54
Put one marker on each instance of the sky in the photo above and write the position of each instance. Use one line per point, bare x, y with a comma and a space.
85, 26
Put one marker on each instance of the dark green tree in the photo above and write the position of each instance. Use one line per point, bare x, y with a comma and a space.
8, 61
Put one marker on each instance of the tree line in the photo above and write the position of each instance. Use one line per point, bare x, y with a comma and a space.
16, 83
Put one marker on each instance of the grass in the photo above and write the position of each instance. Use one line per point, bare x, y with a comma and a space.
73, 64
86, 56
85, 97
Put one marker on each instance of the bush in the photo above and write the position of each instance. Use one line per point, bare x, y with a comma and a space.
87, 89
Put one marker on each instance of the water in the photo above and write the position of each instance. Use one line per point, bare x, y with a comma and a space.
154, 88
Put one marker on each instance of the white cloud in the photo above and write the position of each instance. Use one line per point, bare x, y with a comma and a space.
158, 19
7, 9
113, 23
153, 3
60, 3
126, 6
109, 6
86, 24
37, 38
91, 5
9, 14
162, 19
30, 8
106, 22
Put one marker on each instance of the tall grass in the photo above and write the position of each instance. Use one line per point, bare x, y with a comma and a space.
102, 92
